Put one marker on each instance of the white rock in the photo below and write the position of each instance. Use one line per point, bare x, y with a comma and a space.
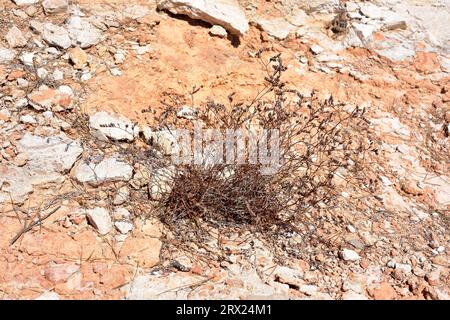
289, 276
22, 83
385, 180
322, 6
119, 57
28, 119
351, 228
393, 20
109, 169
52, 51
116, 72
21, 103
419, 215
140, 50
355, 285
364, 31
355, 15
25, 2
100, 219
445, 66
350, 255
122, 214
350, 295
316, 49
15, 38
123, 226
397, 52
297, 17
82, 32
351, 6
405, 268
187, 113
57, 75
15, 183
308, 289
278, 28
371, 11
135, 11
48, 295
85, 76
226, 13
49, 157
391, 125
42, 73
391, 264
115, 127
27, 58
47, 114
66, 90
218, 31
55, 6
56, 36
6, 55
122, 196
164, 139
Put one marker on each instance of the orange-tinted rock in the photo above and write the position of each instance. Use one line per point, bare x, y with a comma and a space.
16, 74
60, 272
78, 57
384, 292
411, 187
141, 251
50, 99
427, 62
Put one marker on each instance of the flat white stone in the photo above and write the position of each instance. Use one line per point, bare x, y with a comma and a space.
226, 13
107, 170
100, 219
115, 127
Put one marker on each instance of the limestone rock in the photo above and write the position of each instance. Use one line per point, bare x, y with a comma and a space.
56, 36
49, 157
55, 6
113, 126
100, 219
349, 255
109, 169
289, 276
218, 31
278, 28
48, 295
15, 38
15, 184
226, 13
25, 2
82, 32
6, 55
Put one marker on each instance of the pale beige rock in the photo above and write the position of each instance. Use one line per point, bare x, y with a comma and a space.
15, 38
226, 13
55, 6
100, 219
141, 251
78, 57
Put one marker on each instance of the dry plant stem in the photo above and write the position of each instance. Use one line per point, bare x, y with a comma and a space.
26, 228
317, 137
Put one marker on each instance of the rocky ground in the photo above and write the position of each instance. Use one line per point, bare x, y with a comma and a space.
72, 226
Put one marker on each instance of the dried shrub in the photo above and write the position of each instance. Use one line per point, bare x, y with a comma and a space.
316, 139
341, 21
